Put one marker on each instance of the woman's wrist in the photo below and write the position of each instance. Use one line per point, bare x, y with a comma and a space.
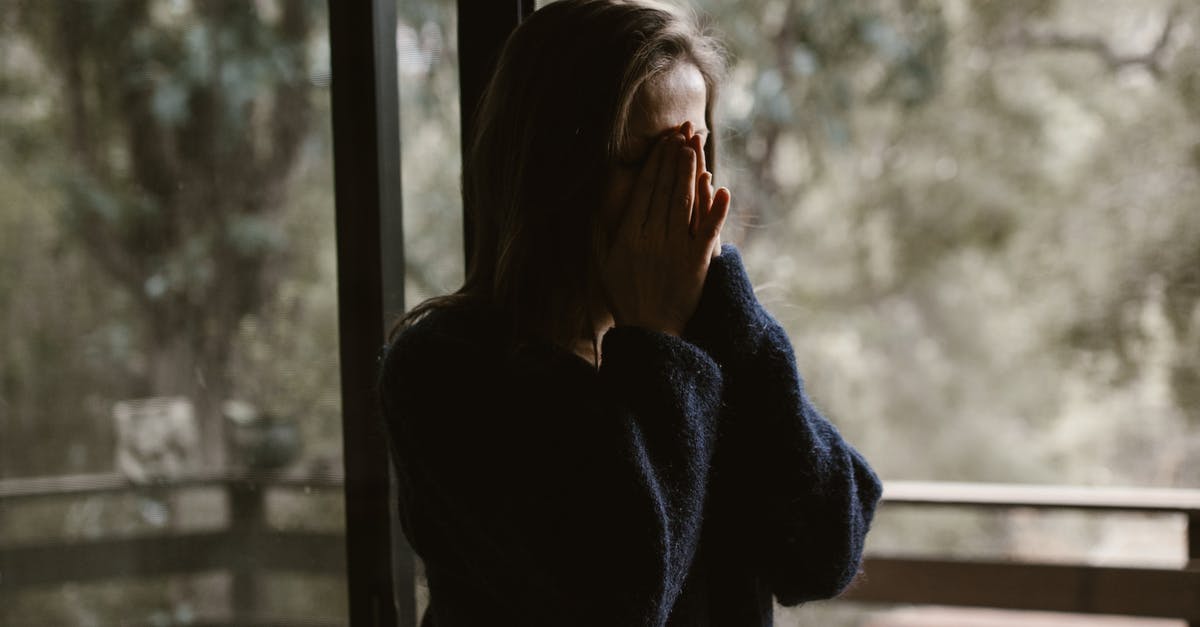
728, 319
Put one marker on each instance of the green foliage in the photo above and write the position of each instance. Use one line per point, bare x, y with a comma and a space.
167, 185
177, 135
982, 236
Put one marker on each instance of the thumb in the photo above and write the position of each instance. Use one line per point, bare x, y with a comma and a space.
715, 221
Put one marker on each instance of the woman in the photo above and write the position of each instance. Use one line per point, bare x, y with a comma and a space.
603, 426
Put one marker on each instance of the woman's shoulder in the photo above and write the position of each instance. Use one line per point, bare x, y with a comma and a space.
446, 332
469, 342
445, 343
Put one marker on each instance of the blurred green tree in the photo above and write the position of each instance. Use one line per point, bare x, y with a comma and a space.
183, 123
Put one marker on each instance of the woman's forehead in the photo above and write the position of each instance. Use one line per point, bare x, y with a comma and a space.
668, 100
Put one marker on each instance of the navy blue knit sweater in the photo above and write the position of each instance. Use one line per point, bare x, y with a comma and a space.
685, 482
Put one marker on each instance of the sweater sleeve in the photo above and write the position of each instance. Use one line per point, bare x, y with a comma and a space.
784, 479
571, 500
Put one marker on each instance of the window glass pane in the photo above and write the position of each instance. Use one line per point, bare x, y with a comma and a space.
431, 163
979, 224
981, 234
170, 429
431, 157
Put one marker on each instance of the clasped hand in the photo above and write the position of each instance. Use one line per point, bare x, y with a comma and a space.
654, 270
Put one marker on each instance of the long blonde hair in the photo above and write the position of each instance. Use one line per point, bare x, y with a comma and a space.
550, 124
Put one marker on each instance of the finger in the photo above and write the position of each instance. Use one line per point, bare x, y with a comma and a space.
684, 195
690, 137
713, 226
638, 212
664, 183
709, 192
703, 199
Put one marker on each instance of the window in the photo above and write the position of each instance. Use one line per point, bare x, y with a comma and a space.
977, 222
170, 412
431, 157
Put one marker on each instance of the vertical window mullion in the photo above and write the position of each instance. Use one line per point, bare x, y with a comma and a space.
368, 207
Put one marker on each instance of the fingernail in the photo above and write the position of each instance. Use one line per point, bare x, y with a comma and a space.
687, 129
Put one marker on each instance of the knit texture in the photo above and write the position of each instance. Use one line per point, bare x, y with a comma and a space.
685, 482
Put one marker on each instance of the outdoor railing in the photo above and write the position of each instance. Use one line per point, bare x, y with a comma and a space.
246, 546
1024, 585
